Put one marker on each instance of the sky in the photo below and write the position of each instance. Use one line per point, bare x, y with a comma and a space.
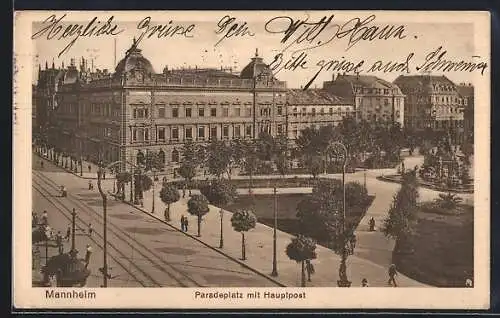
201, 50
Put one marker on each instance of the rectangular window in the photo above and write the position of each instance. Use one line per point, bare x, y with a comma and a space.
188, 112
322, 111
134, 135
175, 133
213, 132
279, 110
237, 131
237, 112
201, 112
175, 112
249, 131
304, 111
330, 111
161, 133
225, 112
213, 112
201, 132
188, 133
225, 131
313, 112
386, 102
279, 128
248, 112
146, 113
161, 112
146, 134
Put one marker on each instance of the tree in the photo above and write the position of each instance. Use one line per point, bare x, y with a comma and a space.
402, 214
218, 157
123, 178
301, 249
314, 163
169, 194
243, 221
69, 271
198, 206
448, 201
187, 171
219, 192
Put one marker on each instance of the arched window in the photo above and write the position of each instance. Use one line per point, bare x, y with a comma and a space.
140, 158
175, 155
161, 154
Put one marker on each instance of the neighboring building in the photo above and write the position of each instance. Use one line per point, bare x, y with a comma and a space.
315, 108
433, 102
45, 95
375, 99
34, 124
467, 93
123, 115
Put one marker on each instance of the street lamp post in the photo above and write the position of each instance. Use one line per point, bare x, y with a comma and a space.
275, 261
221, 241
73, 229
343, 280
153, 206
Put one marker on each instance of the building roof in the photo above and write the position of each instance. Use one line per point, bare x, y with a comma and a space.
466, 90
314, 97
345, 84
133, 60
202, 73
256, 67
425, 84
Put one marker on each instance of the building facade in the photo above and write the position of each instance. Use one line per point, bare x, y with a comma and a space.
374, 99
123, 115
467, 93
315, 108
433, 102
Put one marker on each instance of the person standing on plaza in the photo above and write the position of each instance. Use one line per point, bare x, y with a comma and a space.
392, 275
91, 186
182, 223
59, 242
183, 190
45, 218
90, 168
186, 223
87, 255
90, 229
372, 224
309, 269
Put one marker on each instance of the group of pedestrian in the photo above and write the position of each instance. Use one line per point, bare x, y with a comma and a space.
184, 223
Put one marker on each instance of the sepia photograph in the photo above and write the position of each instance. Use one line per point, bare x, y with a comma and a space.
279, 158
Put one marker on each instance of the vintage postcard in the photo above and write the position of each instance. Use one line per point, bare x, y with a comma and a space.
251, 159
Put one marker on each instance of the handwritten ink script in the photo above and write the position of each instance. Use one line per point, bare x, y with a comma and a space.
53, 29
324, 31
297, 38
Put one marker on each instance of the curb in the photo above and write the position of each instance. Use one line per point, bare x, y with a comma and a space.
430, 187
206, 244
69, 171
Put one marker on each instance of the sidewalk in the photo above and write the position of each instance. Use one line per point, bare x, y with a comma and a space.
259, 248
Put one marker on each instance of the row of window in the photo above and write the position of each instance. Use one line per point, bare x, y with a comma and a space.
378, 91
143, 112
143, 134
313, 112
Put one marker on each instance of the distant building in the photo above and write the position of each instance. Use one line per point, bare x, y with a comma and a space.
467, 93
34, 123
121, 116
433, 102
315, 108
374, 99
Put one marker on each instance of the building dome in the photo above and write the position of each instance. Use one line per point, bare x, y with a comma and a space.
133, 60
255, 68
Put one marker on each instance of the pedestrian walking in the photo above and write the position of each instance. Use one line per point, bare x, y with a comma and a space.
45, 218
91, 185
90, 168
364, 283
352, 242
87, 255
34, 219
182, 222
186, 223
90, 229
372, 224
309, 269
68, 233
59, 242
104, 174
183, 190
392, 275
